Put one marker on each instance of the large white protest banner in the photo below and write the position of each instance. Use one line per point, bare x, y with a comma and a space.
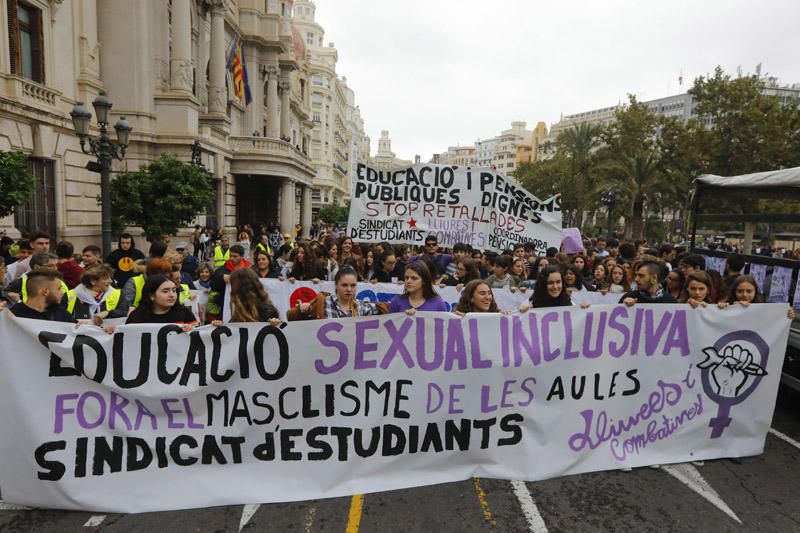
152, 418
476, 206
285, 295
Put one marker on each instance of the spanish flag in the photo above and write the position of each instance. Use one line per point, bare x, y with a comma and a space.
238, 70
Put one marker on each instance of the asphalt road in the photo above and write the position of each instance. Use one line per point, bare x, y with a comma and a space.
755, 494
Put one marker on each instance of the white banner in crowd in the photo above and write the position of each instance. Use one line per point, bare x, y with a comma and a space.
285, 295
152, 418
476, 206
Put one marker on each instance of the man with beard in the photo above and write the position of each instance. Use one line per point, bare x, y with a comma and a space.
44, 298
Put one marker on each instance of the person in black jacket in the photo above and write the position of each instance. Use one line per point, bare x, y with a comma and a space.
649, 289
123, 258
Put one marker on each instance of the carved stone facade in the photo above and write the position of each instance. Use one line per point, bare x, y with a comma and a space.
163, 65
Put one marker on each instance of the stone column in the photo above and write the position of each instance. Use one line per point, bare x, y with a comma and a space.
181, 68
287, 207
286, 109
217, 95
273, 116
305, 210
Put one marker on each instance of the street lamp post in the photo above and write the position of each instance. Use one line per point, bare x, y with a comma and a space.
106, 151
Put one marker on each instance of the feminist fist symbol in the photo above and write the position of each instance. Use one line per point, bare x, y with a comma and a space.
731, 369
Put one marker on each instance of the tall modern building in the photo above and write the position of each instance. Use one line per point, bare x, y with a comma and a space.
338, 136
163, 65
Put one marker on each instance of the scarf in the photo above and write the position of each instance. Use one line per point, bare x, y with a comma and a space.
87, 296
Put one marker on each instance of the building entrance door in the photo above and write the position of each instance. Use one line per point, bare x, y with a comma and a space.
256, 200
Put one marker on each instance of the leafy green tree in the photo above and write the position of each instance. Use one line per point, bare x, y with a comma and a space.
742, 129
16, 182
638, 177
161, 197
577, 145
330, 214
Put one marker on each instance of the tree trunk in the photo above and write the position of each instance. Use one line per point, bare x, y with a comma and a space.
579, 202
637, 218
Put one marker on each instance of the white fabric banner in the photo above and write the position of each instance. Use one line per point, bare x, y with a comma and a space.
476, 206
252, 413
285, 295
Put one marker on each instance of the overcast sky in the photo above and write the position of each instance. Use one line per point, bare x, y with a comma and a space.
438, 73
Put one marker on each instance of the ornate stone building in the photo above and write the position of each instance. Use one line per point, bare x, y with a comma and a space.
163, 65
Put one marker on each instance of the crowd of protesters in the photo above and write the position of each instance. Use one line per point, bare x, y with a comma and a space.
71, 285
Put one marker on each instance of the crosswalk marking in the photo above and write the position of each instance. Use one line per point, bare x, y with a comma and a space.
690, 476
529, 510
247, 513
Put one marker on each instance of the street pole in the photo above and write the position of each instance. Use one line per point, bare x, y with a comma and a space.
104, 157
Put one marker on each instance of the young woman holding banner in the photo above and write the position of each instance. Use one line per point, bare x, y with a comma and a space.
550, 290
419, 294
744, 291
342, 304
477, 297
160, 305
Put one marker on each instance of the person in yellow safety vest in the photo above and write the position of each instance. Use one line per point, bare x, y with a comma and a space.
18, 289
95, 298
287, 239
264, 245
132, 291
222, 252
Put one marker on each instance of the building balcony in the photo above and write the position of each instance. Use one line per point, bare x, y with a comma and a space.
24, 90
259, 155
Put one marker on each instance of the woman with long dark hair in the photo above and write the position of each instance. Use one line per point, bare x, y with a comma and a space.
305, 266
262, 265
696, 290
550, 290
419, 294
466, 271
476, 297
249, 301
744, 291
160, 305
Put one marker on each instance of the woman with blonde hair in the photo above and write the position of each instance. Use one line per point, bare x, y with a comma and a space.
249, 301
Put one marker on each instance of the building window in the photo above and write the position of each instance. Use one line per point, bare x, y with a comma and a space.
310, 38
26, 43
39, 212
316, 79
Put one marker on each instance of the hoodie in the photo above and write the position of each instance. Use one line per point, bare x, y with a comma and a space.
72, 273
122, 262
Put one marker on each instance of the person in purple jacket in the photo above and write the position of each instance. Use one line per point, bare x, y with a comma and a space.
419, 294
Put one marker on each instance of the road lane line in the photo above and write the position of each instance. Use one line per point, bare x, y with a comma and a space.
785, 437
309, 521
95, 521
529, 510
247, 513
487, 513
354, 516
691, 477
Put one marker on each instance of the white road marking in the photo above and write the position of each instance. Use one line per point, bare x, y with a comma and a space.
95, 521
309, 522
247, 513
785, 437
690, 476
529, 510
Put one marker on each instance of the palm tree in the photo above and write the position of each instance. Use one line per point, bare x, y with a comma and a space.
578, 142
638, 176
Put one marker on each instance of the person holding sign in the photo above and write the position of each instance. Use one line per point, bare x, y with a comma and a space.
549, 290
249, 300
696, 290
342, 304
419, 294
744, 292
160, 305
477, 297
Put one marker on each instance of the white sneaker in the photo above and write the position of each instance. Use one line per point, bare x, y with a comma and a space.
698, 463
655, 466
626, 469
